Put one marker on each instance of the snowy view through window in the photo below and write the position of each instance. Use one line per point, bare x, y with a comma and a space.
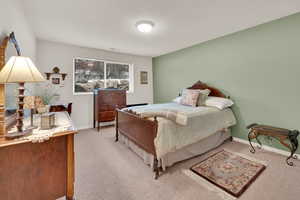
92, 74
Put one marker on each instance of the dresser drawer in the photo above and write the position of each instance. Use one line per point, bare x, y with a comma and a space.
106, 108
106, 116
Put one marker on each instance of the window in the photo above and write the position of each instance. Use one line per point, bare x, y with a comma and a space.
90, 74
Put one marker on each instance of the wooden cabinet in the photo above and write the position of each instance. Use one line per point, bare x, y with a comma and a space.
39, 171
105, 103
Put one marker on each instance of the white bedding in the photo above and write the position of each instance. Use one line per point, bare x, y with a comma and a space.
202, 122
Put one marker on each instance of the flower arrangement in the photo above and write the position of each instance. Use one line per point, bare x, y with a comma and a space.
47, 92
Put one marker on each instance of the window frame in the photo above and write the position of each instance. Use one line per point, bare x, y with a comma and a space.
105, 61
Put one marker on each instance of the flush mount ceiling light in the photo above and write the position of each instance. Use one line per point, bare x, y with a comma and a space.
145, 26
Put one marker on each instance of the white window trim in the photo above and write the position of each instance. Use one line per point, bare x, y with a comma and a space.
131, 74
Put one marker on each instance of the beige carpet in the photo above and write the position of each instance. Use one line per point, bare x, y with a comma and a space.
106, 170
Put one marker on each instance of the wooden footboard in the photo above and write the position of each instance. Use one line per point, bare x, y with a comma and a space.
139, 130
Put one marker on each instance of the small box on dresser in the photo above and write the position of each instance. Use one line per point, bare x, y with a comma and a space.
47, 121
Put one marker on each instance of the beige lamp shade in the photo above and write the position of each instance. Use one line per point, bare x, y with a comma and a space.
20, 69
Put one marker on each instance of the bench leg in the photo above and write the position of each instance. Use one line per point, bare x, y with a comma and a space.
293, 148
258, 141
252, 150
290, 163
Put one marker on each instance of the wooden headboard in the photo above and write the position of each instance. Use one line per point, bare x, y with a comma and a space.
213, 91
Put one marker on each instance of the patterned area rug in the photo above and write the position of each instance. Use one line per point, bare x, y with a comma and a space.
229, 171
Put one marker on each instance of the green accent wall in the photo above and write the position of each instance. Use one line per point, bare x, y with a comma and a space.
259, 68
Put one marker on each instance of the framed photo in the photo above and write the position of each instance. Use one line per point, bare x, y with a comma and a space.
144, 77
55, 81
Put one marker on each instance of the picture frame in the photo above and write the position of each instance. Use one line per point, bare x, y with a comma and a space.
144, 77
55, 81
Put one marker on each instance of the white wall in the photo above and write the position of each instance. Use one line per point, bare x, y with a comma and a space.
50, 54
12, 18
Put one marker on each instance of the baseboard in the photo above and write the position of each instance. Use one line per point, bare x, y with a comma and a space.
83, 127
265, 147
102, 124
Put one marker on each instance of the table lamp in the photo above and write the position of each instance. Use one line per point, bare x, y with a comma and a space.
20, 70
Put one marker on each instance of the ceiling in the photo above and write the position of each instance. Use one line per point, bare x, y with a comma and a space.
110, 24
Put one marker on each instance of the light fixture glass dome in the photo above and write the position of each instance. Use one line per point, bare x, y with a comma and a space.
145, 26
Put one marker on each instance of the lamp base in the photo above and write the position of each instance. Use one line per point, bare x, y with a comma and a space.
17, 134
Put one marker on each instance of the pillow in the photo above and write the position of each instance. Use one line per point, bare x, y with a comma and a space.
218, 102
190, 98
177, 100
202, 96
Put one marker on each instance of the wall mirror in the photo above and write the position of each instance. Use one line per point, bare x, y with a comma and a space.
9, 47
12, 49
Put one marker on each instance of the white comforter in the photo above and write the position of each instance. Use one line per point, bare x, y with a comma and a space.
202, 122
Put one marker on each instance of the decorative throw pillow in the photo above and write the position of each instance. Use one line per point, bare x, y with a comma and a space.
202, 96
190, 98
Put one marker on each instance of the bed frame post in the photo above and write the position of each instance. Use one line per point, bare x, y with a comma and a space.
155, 168
155, 161
117, 126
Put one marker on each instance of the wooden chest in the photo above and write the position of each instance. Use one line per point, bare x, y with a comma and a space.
105, 103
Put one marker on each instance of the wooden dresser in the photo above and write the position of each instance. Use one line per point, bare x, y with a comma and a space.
39, 171
105, 103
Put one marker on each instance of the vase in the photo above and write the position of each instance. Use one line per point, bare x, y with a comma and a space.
44, 109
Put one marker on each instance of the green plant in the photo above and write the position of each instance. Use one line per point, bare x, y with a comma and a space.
46, 91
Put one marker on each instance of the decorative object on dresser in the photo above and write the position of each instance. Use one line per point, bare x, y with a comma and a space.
20, 70
32, 103
47, 121
57, 77
61, 108
48, 92
105, 103
44, 109
280, 134
143, 131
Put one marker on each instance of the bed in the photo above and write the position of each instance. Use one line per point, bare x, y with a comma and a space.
161, 142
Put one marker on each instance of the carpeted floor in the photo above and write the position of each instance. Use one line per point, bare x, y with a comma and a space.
106, 170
